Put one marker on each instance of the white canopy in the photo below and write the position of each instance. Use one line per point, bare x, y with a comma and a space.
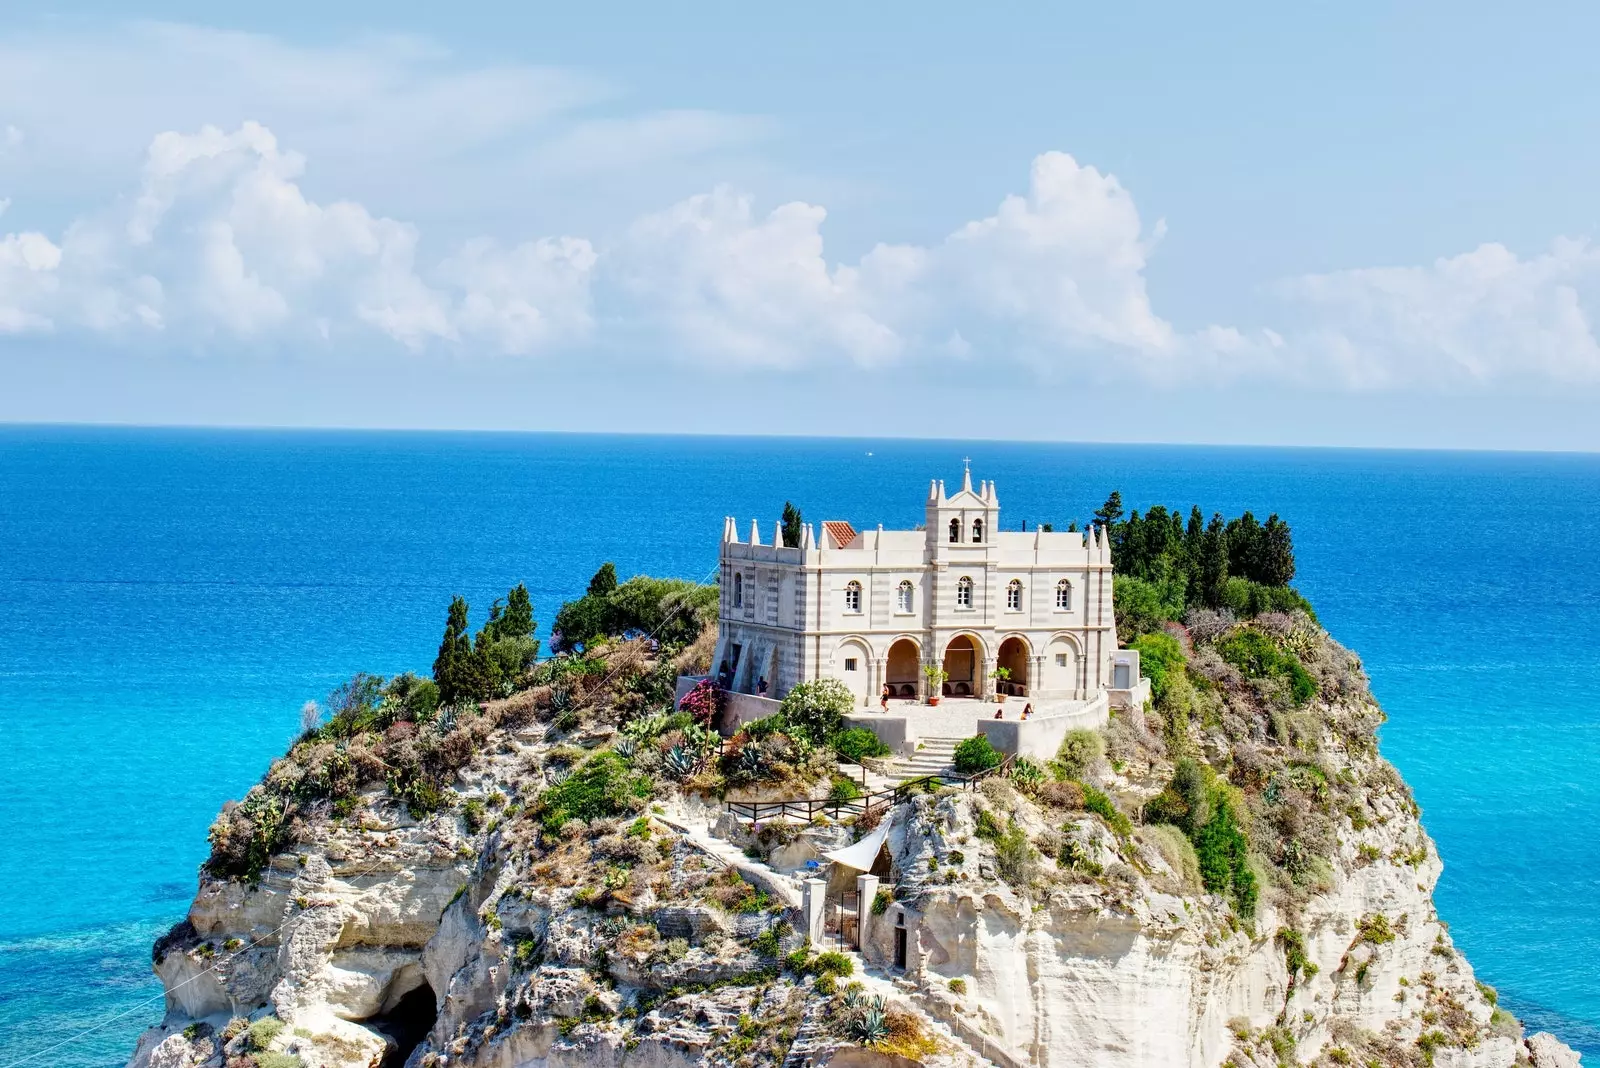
861, 855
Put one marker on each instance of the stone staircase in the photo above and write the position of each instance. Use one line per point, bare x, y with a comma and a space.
934, 756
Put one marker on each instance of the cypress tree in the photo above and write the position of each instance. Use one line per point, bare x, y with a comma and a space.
1213, 568
1277, 553
452, 666
791, 525
1193, 534
1244, 547
604, 581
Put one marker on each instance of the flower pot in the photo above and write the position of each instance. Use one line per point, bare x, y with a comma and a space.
933, 702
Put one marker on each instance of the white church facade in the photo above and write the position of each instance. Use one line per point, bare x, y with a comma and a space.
877, 608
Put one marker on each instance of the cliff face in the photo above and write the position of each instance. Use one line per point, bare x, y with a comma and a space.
504, 931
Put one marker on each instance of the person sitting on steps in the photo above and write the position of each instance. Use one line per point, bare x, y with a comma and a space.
883, 699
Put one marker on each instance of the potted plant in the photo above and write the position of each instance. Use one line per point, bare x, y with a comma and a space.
1002, 678
936, 676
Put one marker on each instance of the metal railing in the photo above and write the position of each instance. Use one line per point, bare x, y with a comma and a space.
807, 810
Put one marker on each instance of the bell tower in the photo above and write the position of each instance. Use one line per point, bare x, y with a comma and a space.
962, 524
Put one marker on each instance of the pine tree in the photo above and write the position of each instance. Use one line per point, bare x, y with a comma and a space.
1213, 562
791, 525
1277, 553
451, 667
518, 619
1108, 515
604, 581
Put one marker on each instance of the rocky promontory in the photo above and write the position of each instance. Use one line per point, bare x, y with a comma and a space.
544, 874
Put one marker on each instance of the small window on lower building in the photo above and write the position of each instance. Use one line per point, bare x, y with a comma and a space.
849, 663
1061, 660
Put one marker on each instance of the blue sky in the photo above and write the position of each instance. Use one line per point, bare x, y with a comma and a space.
1311, 224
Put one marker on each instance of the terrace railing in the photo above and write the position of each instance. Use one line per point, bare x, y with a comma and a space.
808, 810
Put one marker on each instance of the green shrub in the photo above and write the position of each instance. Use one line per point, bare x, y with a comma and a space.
1141, 606
767, 943
1160, 658
1098, 802
1249, 599
1081, 752
1256, 657
1375, 929
260, 1033
1223, 850
958, 986
975, 754
1294, 953
1016, 860
881, 900
278, 1060
1185, 802
472, 815
673, 610
857, 744
844, 789
832, 963
986, 826
816, 709
599, 788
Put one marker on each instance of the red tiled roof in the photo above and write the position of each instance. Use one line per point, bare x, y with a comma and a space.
842, 533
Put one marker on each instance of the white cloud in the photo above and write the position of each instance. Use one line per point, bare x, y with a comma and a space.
1058, 270
221, 239
1065, 262
752, 291
1481, 317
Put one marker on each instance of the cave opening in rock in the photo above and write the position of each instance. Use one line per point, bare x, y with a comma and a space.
406, 1024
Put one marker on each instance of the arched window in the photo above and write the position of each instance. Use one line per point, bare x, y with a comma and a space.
964, 592
738, 591
852, 597
1014, 595
1064, 595
955, 531
906, 598
977, 530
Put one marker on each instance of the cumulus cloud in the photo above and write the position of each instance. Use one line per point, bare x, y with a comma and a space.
218, 238
755, 291
221, 240
1481, 317
1059, 268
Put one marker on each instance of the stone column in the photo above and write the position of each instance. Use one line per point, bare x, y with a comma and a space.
814, 899
987, 690
866, 891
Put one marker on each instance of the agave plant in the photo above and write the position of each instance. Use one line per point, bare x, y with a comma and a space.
869, 1026
752, 761
646, 726
626, 748
852, 997
679, 763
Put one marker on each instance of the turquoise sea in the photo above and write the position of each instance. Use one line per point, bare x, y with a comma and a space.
169, 598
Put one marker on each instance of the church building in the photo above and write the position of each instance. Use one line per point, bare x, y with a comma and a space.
879, 607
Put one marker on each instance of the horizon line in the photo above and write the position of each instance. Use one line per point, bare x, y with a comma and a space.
289, 428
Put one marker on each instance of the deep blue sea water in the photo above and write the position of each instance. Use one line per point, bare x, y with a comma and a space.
169, 598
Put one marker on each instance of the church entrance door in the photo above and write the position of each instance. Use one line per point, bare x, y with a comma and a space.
961, 667
903, 669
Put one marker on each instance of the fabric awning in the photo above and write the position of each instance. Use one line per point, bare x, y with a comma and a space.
861, 855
